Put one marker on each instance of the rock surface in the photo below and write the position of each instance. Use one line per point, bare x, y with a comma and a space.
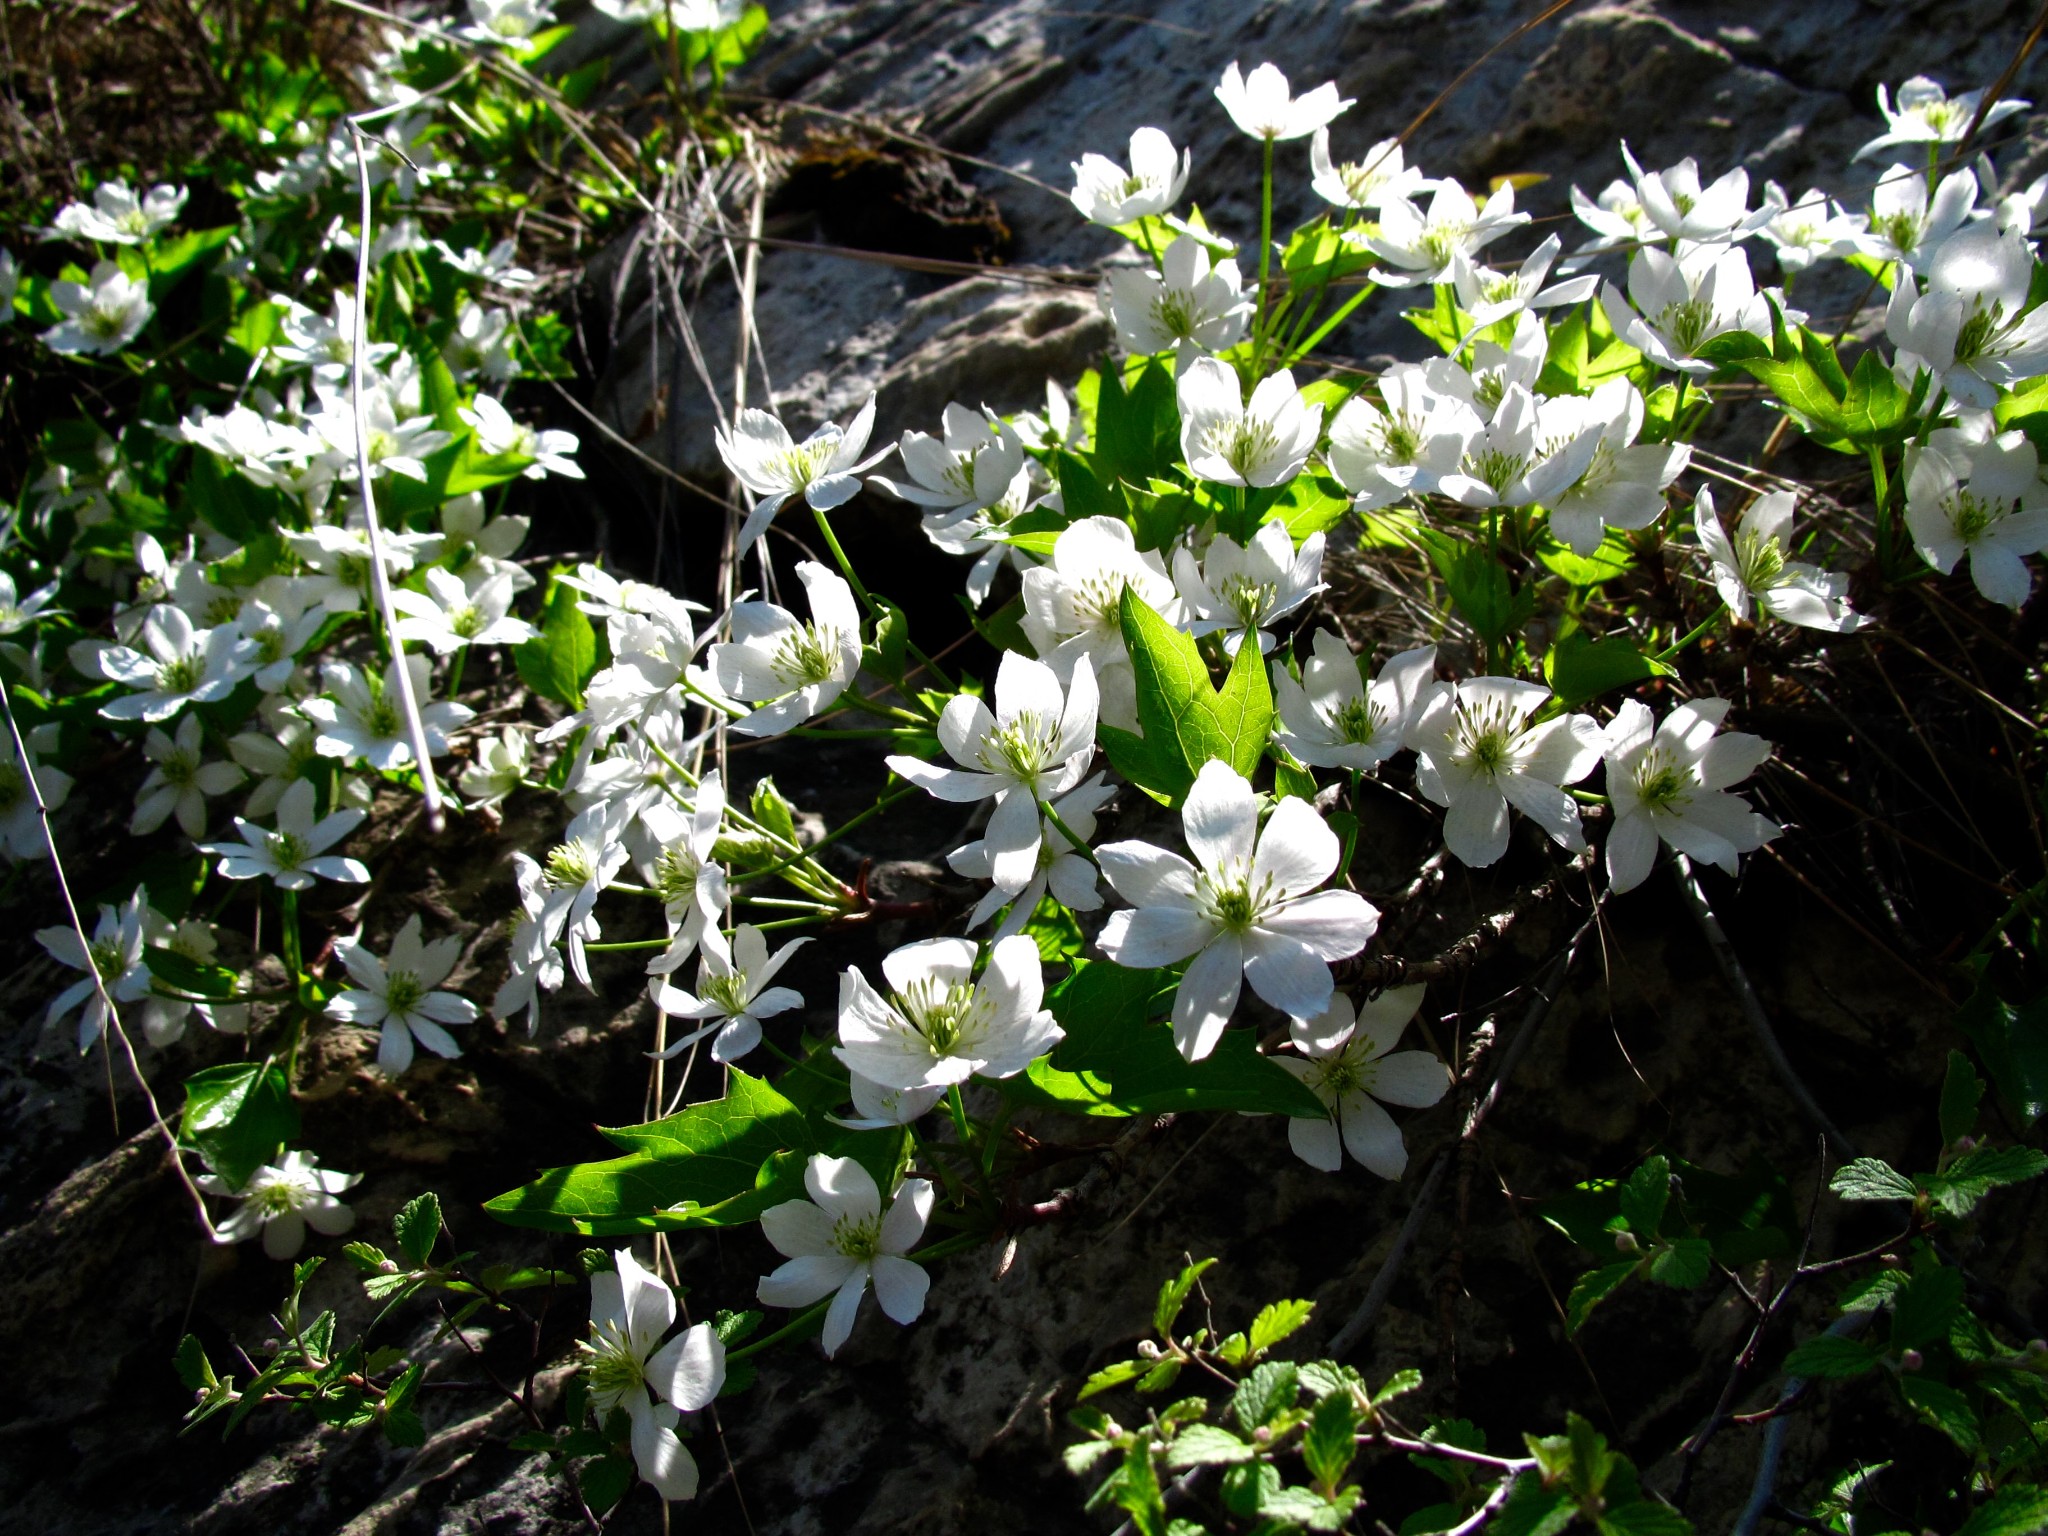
953, 1426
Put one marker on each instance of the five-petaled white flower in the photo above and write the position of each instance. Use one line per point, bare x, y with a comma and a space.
840, 1238
1985, 500
971, 467
691, 885
1402, 444
1349, 1062
1333, 719
1263, 442
1061, 869
1263, 105
1488, 295
1623, 486
1036, 744
1478, 755
1073, 607
1421, 248
1753, 566
940, 1026
296, 853
500, 768
1107, 194
453, 612
281, 1200
734, 993
180, 781
1191, 305
1809, 228
824, 468
114, 955
116, 216
361, 720
1683, 302
1682, 209
21, 823
629, 1368
1670, 781
398, 994
1242, 588
1251, 912
1380, 176
1924, 113
178, 665
791, 669
1969, 329
1907, 223
498, 432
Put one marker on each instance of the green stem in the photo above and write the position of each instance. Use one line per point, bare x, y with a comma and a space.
1693, 634
1265, 249
795, 1327
455, 670
845, 565
959, 1109
628, 944
1343, 313
1882, 492
288, 915
881, 805
1080, 843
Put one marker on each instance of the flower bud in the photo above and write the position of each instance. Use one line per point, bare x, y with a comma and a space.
1262, 1435
1625, 1242
2037, 1347
1911, 1360
1966, 1144
387, 1266
1147, 1350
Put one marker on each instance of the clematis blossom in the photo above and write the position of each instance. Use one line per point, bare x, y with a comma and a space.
1107, 194
629, 1367
824, 468
1348, 1061
1231, 441
940, 1025
1478, 755
1671, 782
1264, 106
840, 1239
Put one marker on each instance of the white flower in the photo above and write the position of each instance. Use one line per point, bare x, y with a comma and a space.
1682, 303
1623, 486
1618, 221
182, 666
1333, 719
1369, 183
1968, 329
840, 1238
277, 755
536, 963
296, 853
940, 1026
106, 312
876, 1108
629, 1367
733, 992
361, 720
1927, 114
399, 995
1671, 782
452, 613
399, 440
1529, 452
824, 468
972, 466
1753, 566
690, 15
10, 281
180, 781
1250, 913
18, 613
1985, 501
1809, 229
281, 1201
1403, 444
1262, 105
116, 216
1905, 224
500, 768
1106, 194
1242, 588
481, 343
1478, 755
114, 955
327, 342
507, 21
1488, 296
1060, 869
1421, 248
341, 558
799, 667
1349, 1068
497, 265
1675, 202
163, 1018
275, 641
1190, 306
1072, 607
982, 532
1225, 439
471, 546
21, 825
579, 867
1037, 744
497, 432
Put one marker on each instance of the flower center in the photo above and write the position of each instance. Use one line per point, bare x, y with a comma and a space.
1243, 444
1175, 312
1338, 1075
13, 787
612, 1366
570, 864
179, 768
1974, 338
1098, 601
1688, 323
402, 989
1497, 467
806, 655
1022, 749
1249, 599
858, 1239
1971, 515
181, 674
729, 992
287, 849
1356, 721
1760, 561
1901, 230
466, 622
1486, 738
675, 876
943, 1012
1227, 899
799, 465
1661, 784
108, 958
105, 319
277, 1197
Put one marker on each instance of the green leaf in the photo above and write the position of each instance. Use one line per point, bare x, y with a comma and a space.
2009, 1512
1277, 1321
1205, 1445
1592, 1288
1310, 504
1971, 1177
1579, 667
236, 506
1186, 722
1946, 1409
1644, 1197
604, 1482
1643, 1517
1613, 558
1400, 1384
1112, 1376
237, 1117
1924, 1307
1832, 1357
1270, 1390
884, 655
1479, 587
695, 1168
2012, 1043
1683, 1263
194, 1369
1082, 491
1867, 1178
1114, 1062
1962, 1093
1173, 1296
1748, 1216
1137, 427
184, 974
560, 660
1533, 1509
1327, 1444
418, 1227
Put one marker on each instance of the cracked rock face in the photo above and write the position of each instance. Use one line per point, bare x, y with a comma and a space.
951, 1428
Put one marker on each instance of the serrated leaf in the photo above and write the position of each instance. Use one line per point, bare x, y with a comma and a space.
1277, 1321
2009, 1512
418, 1227
1205, 1445
1643, 1517
1683, 1263
1532, 1509
1579, 668
1867, 1178
1971, 1177
561, 658
1962, 1094
238, 1117
1173, 1295
1398, 1385
2012, 1043
1923, 1308
1270, 1389
1186, 722
1328, 1444
1112, 1376
1832, 1357
604, 1482
1592, 1288
1160, 1377
1644, 1196
1946, 1409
